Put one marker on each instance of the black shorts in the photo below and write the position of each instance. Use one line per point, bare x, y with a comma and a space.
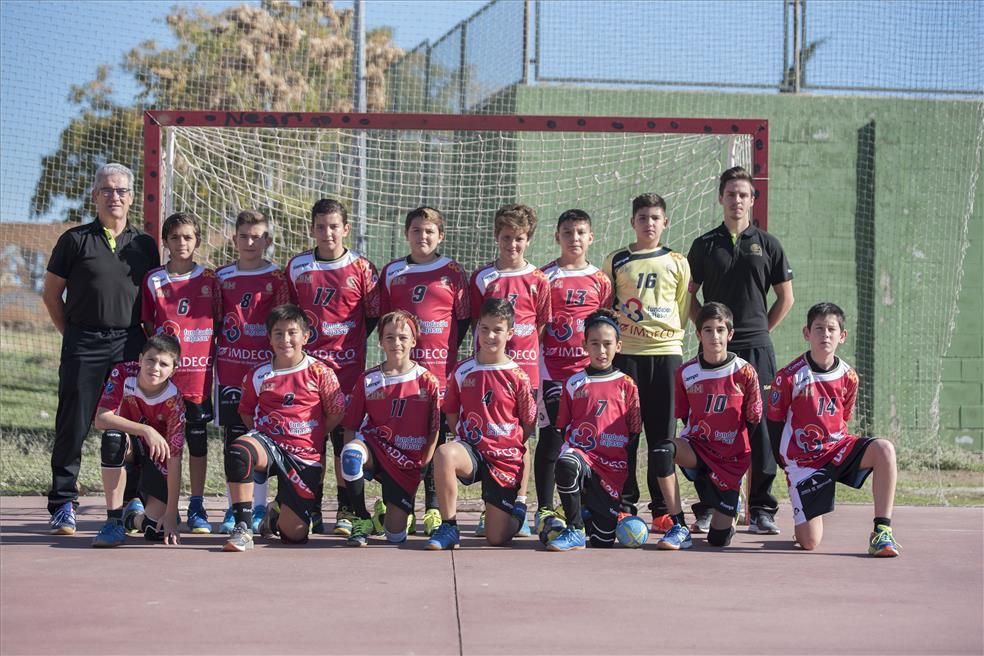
604, 509
296, 479
492, 493
548, 403
392, 492
723, 501
654, 377
811, 491
228, 401
153, 475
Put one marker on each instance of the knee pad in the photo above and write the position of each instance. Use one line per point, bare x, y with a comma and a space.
240, 458
232, 432
196, 438
661, 458
720, 537
113, 449
353, 458
567, 472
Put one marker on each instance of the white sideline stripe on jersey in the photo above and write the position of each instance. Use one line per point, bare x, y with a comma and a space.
232, 270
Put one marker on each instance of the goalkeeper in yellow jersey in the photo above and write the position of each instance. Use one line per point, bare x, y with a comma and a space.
650, 284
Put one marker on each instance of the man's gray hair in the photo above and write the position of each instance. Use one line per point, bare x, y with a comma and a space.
112, 168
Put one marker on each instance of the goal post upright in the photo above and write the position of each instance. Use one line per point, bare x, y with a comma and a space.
157, 120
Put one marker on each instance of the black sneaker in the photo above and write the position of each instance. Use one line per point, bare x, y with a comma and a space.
703, 523
763, 524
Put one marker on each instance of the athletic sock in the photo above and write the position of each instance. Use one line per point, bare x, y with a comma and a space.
260, 494
883, 521
344, 501
243, 512
451, 522
572, 508
679, 519
430, 487
356, 493
115, 515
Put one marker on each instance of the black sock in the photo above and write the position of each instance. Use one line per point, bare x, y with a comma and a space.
450, 522
115, 515
572, 508
883, 521
430, 487
679, 518
243, 512
356, 493
344, 501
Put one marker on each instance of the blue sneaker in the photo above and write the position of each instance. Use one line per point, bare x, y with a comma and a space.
445, 537
519, 511
62, 522
259, 512
134, 508
197, 517
569, 539
678, 537
110, 535
228, 522
480, 529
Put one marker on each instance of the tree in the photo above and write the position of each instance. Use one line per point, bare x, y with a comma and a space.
280, 56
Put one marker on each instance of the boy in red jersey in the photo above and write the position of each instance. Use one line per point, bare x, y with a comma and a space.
812, 401
181, 299
142, 415
527, 289
717, 398
490, 403
250, 287
391, 428
433, 288
577, 288
599, 412
290, 405
337, 290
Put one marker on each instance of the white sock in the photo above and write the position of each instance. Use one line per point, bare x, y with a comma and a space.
259, 494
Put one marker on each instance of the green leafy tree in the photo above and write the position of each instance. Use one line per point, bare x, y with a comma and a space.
280, 56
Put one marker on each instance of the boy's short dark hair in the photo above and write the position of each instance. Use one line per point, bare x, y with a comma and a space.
735, 173
715, 310
573, 215
516, 216
252, 217
498, 308
648, 200
398, 316
164, 344
180, 219
286, 312
823, 310
329, 206
602, 317
425, 213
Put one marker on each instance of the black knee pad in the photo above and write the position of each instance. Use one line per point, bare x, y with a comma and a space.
240, 458
113, 449
566, 471
661, 458
232, 432
196, 438
720, 537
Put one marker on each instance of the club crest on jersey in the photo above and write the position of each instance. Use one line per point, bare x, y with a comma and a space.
206, 290
312, 323
755, 249
561, 328
774, 397
269, 287
809, 439
170, 328
273, 424
471, 429
583, 437
232, 328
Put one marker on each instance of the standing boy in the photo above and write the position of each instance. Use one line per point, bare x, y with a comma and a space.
434, 289
290, 405
650, 284
336, 289
736, 264
250, 288
527, 289
812, 401
577, 288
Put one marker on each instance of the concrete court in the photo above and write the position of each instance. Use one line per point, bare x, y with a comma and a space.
760, 596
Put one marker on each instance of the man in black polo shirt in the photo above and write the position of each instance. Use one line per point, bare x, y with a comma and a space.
99, 268
736, 264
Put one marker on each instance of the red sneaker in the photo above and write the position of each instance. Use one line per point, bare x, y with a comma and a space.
662, 523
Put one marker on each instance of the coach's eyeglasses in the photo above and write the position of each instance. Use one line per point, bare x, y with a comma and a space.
109, 192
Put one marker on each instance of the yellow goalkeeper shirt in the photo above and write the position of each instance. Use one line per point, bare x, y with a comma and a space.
651, 298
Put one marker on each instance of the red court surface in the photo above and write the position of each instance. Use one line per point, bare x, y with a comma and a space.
760, 596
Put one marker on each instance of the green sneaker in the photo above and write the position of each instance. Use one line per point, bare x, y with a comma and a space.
545, 513
378, 517
361, 530
343, 521
432, 519
411, 524
882, 543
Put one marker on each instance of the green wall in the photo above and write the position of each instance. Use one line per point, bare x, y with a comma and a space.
891, 258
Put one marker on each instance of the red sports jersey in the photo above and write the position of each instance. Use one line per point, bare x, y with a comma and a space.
290, 406
599, 413
716, 405
397, 416
337, 296
493, 403
574, 294
186, 307
165, 412
529, 292
247, 298
437, 294
815, 408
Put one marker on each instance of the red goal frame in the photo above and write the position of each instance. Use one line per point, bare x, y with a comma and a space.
155, 120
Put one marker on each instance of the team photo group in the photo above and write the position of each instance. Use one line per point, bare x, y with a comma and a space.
572, 362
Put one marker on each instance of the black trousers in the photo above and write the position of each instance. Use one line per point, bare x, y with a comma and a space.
87, 356
763, 469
